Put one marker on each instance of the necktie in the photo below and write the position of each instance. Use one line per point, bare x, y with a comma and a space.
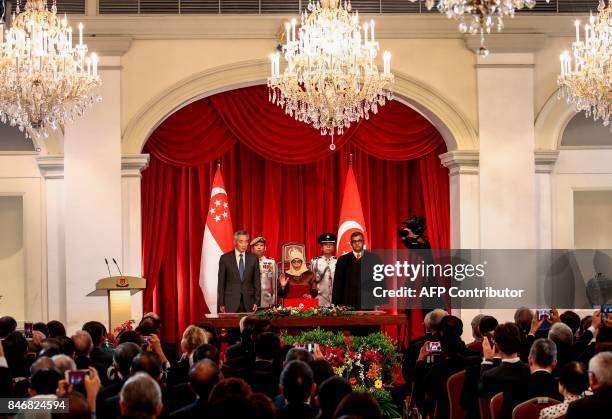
358, 256
241, 267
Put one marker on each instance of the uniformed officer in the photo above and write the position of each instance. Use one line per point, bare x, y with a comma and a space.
267, 271
324, 267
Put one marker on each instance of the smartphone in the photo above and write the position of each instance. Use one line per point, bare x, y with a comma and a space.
310, 347
146, 340
28, 329
76, 378
491, 341
606, 309
543, 314
434, 347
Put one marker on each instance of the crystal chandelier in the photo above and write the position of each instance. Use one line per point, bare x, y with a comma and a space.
479, 16
45, 80
586, 74
331, 79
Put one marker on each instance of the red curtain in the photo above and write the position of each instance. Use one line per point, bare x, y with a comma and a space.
283, 183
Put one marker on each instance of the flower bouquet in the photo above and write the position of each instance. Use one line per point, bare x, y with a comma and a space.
281, 311
366, 362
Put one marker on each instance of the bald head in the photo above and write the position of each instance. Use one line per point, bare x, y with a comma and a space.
82, 343
203, 376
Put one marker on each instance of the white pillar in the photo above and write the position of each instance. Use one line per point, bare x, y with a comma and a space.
131, 215
544, 164
52, 170
507, 138
464, 198
92, 161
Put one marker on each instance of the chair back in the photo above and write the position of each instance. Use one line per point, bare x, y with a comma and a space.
454, 386
496, 405
484, 404
530, 409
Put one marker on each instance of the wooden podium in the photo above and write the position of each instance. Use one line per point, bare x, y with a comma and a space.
119, 290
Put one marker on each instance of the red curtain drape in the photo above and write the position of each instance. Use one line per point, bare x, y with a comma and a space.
283, 183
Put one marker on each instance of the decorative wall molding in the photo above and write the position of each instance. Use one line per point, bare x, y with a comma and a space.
108, 45
461, 162
551, 123
132, 165
389, 26
545, 160
510, 42
452, 124
51, 167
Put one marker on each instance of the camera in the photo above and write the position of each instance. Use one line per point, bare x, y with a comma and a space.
434, 347
414, 224
544, 314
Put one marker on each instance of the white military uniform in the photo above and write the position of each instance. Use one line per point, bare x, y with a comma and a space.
267, 272
324, 270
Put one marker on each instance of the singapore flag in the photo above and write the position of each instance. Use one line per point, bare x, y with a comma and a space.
218, 239
351, 215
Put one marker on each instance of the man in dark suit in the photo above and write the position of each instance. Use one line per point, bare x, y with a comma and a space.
348, 277
541, 383
239, 287
600, 380
202, 378
510, 371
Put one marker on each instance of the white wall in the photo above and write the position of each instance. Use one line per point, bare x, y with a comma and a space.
92, 170
593, 219
19, 177
12, 266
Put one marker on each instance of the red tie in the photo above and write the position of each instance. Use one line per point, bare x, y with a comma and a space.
358, 256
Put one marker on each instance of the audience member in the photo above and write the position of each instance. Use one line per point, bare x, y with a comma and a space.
264, 373
83, 345
140, 397
511, 370
600, 380
330, 394
297, 386
41, 327
361, 405
476, 344
56, 329
203, 376
540, 383
572, 320
63, 363
573, 382
7, 326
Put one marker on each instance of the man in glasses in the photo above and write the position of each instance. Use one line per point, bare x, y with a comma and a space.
348, 276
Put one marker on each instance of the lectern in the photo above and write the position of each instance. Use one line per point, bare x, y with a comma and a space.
119, 290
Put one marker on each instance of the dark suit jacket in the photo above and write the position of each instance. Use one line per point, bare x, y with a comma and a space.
194, 410
594, 406
538, 384
349, 281
498, 379
302, 411
263, 377
230, 288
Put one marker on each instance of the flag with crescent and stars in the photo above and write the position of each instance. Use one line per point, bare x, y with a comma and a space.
351, 215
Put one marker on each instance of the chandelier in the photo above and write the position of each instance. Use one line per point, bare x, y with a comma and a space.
479, 16
45, 79
586, 74
331, 79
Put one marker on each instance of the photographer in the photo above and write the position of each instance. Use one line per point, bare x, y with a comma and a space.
411, 233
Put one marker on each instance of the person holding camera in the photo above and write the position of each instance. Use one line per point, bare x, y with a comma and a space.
412, 232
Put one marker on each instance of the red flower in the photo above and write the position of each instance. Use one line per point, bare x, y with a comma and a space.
352, 381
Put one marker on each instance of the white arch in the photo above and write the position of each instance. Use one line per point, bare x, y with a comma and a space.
551, 123
457, 131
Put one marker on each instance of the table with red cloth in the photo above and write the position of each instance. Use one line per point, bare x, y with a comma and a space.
379, 319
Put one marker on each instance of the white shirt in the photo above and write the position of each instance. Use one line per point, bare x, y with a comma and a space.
237, 253
358, 255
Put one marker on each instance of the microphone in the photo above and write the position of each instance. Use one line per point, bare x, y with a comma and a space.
115, 262
107, 267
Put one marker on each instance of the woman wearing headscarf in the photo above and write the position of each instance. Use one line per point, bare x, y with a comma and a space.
297, 281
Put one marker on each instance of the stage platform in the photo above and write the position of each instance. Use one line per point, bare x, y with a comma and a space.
231, 320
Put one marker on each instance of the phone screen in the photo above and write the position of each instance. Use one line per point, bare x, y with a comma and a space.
28, 328
434, 347
76, 377
606, 309
543, 314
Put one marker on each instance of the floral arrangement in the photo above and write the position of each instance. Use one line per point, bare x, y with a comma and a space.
280, 311
366, 362
111, 338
